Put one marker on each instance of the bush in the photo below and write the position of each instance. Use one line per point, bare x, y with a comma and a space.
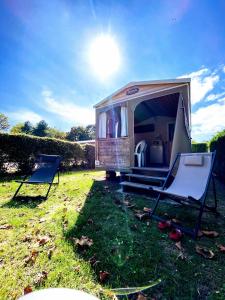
218, 143
89, 156
199, 147
20, 150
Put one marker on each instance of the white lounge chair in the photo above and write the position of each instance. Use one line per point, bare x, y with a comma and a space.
140, 153
190, 184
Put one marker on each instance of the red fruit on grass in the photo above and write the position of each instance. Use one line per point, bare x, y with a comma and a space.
164, 224
175, 235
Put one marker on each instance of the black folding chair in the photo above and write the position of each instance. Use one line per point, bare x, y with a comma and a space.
189, 186
46, 167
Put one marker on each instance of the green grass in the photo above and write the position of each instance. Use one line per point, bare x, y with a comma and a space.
133, 255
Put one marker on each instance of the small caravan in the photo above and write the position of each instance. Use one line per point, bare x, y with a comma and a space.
154, 113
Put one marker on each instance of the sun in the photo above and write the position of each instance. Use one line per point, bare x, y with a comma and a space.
104, 56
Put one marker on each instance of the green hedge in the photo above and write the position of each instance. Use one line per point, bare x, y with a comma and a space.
218, 144
199, 147
89, 156
20, 151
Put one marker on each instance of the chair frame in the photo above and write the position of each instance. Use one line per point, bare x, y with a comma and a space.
183, 200
37, 182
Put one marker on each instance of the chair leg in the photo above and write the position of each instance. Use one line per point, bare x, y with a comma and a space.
50, 185
198, 223
17, 191
214, 192
155, 207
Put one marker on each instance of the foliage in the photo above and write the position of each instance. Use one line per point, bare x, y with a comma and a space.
199, 147
22, 149
218, 143
55, 133
17, 128
4, 124
89, 156
41, 129
27, 128
80, 133
42, 238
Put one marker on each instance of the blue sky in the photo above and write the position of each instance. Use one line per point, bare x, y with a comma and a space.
44, 67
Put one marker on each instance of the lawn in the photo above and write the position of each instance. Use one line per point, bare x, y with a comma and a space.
39, 248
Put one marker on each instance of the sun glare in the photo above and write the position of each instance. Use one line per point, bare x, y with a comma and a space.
104, 56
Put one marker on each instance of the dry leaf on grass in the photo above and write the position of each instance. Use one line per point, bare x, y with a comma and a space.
6, 226
142, 216
27, 238
221, 248
207, 253
210, 233
141, 297
31, 258
147, 209
40, 278
84, 241
103, 276
178, 245
42, 240
27, 290
50, 252
128, 204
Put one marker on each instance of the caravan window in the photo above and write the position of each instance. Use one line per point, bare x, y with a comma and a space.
113, 123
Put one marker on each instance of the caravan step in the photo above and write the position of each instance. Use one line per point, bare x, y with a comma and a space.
137, 185
145, 177
151, 169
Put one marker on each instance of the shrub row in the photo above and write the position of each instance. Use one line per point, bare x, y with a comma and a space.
19, 151
218, 144
199, 147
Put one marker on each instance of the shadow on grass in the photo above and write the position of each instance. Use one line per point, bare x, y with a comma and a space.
135, 253
120, 248
29, 201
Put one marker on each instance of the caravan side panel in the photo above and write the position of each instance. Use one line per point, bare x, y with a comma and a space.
113, 153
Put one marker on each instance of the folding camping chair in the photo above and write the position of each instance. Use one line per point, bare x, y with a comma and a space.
190, 185
46, 168
140, 151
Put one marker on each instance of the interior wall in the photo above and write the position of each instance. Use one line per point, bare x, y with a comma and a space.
160, 132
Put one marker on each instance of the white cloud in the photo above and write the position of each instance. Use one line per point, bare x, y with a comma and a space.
67, 110
24, 115
223, 69
202, 82
212, 97
206, 121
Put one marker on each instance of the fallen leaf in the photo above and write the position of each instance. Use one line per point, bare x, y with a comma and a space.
84, 241
211, 234
147, 209
178, 245
207, 253
27, 290
103, 276
200, 234
221, 248
6, 226
50, 252
27, 238
174, 220
142, 216
40, 278
128, 204
141, 297
31, 258
43, 240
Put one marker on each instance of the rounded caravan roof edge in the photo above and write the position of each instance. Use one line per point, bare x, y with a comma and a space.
151, 82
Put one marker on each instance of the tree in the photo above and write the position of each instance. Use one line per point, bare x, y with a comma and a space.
80, 133
17, 128
27, 127
4, 123
55, 133
41, 129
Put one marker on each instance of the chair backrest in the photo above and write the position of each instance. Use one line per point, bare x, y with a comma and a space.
193, 173
47, 166
141, 147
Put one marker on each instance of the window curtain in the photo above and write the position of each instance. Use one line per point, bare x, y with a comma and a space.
124, 125
102, 125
